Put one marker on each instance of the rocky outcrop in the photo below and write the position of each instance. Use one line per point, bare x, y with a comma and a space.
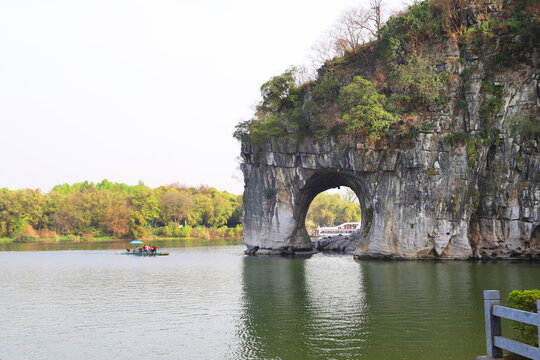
438, 195
424, 201
339, 244
412, 199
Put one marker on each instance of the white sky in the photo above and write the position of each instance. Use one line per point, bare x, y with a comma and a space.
132, 90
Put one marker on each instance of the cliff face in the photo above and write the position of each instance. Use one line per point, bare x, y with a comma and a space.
466, 186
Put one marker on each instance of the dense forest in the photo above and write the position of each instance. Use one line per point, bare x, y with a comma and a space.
118, 210
87, 210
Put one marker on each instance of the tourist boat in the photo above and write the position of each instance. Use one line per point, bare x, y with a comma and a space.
140, 252
146, 254
340, 230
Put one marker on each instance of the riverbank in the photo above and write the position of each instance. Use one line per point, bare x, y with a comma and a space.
185, 233
75, 240
111, 244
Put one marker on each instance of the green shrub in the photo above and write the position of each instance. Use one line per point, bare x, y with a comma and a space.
458, 138
21, 238
410, 133
279, 114
70, 237
202, 233
418, 78
162, 231
364, 110
167, 230
469, 71
326, 89
398, 103
527, 127
472, 151
495, 90
242, 129
266, 127
417, 23
462, 105
472, 144
277, 92
235, 232
183, 232
321, 134
431, 171
494, 105
525, 300
522, 20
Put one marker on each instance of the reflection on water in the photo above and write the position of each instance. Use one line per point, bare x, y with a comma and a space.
276, 314
299, 308
334, 307
435, 309
340, 318
214, 303
116, 244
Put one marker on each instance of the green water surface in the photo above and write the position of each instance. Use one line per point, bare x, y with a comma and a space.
212, 302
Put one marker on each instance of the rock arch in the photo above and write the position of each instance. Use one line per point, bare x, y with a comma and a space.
419, 200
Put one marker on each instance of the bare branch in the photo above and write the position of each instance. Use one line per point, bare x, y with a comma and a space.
304, 74
322, 51
354, 27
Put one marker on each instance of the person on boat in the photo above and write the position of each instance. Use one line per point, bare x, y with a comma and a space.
127, 250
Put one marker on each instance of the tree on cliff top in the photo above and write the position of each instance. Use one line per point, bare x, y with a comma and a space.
364, 112
276, 92
354, 27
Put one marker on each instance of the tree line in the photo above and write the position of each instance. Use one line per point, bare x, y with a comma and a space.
333, 209
108, 209
117, 210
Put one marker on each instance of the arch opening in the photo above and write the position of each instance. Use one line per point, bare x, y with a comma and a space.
334, 212
323, 181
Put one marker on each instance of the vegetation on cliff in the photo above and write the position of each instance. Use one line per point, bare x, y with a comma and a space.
392, 87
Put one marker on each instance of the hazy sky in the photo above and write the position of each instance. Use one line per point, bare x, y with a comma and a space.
132, 90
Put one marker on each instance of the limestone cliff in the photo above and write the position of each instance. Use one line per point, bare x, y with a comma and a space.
465, 186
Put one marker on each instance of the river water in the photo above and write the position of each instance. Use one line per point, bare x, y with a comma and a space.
211, 302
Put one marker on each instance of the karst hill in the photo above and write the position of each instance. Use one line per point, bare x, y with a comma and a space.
434, 124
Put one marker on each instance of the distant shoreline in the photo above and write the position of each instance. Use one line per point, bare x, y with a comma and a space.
95, 240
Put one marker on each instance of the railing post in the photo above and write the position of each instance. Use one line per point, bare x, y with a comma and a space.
538, 312
493, 323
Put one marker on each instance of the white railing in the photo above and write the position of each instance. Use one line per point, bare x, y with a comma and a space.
495, 342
